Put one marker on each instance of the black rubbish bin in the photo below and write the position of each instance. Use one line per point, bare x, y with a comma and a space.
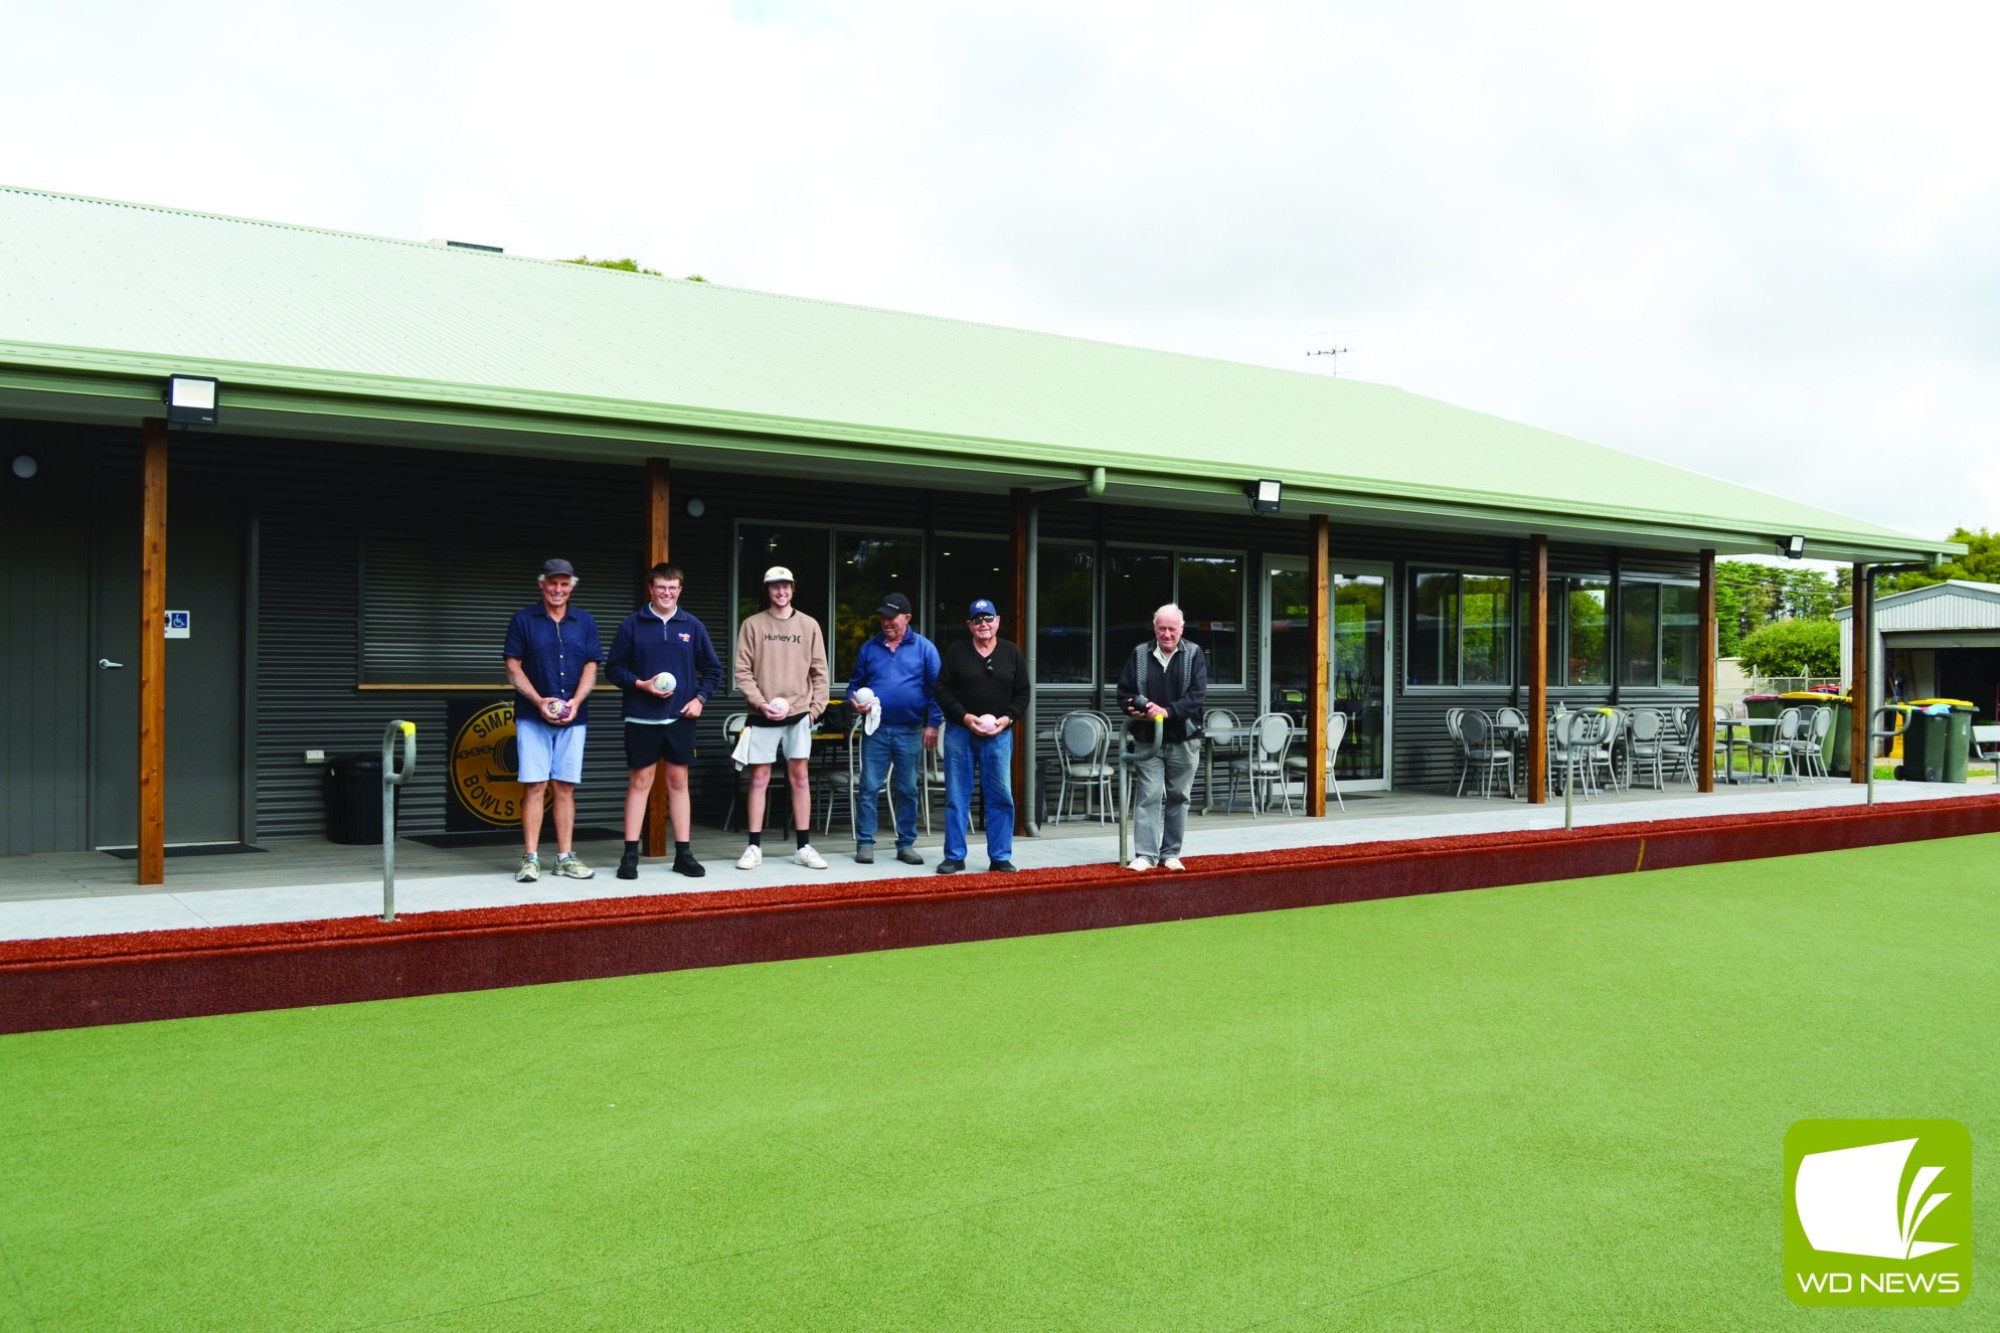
354, 799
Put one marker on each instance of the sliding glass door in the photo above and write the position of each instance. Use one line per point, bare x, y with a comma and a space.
1358, 652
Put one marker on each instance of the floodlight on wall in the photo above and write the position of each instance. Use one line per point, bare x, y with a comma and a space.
1792, 547
1265, 496
696, 506
191, 400
25, 466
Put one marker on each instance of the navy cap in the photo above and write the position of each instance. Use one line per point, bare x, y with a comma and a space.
558, 569
982, 607
895, 604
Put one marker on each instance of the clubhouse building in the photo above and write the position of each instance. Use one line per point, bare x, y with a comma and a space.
198, 614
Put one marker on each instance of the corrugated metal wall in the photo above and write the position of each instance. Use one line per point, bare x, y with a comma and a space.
397, 566
45, 661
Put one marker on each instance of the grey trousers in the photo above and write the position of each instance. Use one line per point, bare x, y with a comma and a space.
1160, 788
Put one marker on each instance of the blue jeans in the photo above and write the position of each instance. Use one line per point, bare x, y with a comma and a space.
902, 747
994, 757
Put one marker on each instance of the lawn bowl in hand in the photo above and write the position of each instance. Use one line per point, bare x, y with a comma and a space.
988, 724
554, 709
664, 682
863, 699
781, 707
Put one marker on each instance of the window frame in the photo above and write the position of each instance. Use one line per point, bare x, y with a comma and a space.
1459, 573
1174, 552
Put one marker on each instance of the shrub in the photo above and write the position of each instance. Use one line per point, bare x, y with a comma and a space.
1793, 648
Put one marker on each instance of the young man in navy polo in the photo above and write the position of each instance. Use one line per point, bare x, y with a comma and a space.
552, 655
664, 661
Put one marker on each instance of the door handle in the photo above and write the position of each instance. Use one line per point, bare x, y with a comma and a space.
106, 664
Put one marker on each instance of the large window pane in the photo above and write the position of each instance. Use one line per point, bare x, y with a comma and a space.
1639, 638
969, 568
1489, 629
1211, 598
870, 566
801, 550
1136, 584
1434, 630
1587, 602
1062, 649
1680, 635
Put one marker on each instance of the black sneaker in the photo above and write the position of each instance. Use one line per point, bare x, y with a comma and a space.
865, 853
950, 867
1004, 867
628, 866
685, 864
908, 856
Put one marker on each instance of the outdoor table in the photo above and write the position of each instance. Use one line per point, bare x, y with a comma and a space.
1728, 727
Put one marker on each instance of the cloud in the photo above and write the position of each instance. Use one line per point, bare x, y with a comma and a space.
1752, 241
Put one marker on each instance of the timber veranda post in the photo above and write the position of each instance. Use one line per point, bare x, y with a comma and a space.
1538, 669
659, 508
1704, 719
1318, 623
1024, 746
1860, 693
152, 834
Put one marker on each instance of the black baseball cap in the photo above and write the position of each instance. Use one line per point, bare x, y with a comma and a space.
558, 569
895, 604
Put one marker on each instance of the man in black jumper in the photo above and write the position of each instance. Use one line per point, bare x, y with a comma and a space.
982, 690
1166, 679
667, 666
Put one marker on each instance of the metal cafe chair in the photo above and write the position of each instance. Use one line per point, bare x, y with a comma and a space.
1646, 746
1573, 741
1453, 725
1809, 750
1677, 742
1336, 730
1223, 731
1264, 766
847, 787
732, 731
1484, 750
1779, 751
1083, 739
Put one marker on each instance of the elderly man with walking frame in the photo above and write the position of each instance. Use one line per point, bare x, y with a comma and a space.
1164, 681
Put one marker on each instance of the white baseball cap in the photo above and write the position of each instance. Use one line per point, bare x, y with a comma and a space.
778, 574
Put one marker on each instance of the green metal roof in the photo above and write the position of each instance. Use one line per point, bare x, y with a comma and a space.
336, 333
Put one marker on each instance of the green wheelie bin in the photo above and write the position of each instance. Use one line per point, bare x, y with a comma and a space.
1949, 740
1924, 740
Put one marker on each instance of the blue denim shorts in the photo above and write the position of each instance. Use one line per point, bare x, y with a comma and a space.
548, 752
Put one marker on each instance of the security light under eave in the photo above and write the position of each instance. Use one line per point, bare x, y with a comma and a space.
1791, 547
191, 400
1265, 496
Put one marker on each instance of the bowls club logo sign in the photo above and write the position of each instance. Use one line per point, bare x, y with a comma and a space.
485, 768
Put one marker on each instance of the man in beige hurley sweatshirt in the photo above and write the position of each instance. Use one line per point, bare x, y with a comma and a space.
782, 675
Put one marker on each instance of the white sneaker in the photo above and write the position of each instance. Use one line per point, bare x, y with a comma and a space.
1139, 863
1173, 863
752, 858
809, 858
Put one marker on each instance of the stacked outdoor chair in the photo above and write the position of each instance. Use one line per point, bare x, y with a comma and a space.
1264, 767
1574, 739
1222, 732
1454, 726
1083, 744
1780, 750
1485, 751
1336, 730
1646, 746
1809, 749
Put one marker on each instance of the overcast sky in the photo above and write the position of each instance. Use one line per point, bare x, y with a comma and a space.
1754, 240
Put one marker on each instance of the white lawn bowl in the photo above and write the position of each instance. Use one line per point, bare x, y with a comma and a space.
863, 699
665, 682
988, 723
554, 708
782, 707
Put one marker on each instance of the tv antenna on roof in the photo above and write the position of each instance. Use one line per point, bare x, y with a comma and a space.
1334, 352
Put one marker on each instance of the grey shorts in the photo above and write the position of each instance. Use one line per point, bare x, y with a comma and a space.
761, 745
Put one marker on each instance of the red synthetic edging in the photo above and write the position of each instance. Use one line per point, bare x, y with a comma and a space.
85, 980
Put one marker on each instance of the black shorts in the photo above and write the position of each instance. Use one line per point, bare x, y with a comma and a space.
646, 745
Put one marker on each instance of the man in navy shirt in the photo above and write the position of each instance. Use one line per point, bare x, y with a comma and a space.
663, 659
899, 668
552, 654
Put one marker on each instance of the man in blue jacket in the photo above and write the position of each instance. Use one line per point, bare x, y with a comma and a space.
657, 641
898, 668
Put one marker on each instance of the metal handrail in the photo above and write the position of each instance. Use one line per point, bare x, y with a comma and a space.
1130, 753
392, 778
1876, 733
